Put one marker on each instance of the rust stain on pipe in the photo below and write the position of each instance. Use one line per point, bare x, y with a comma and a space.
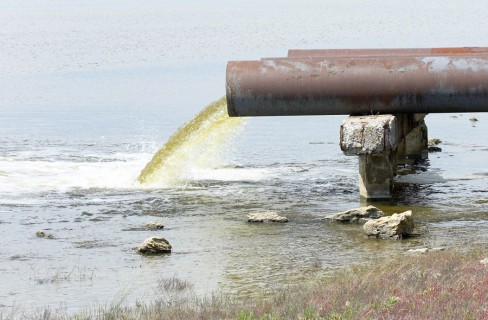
454, 80
317, 53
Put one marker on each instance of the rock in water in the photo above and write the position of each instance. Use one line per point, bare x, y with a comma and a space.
392, 227
425, 250
434, 149
432, 145
433, 142
153, 225
362, 214
267, 216
43, 234
154, 245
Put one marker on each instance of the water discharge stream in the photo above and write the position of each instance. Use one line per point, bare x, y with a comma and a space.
194, 145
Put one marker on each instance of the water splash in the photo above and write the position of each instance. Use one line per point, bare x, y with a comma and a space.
195, 145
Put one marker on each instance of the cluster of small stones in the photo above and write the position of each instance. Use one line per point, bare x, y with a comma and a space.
377, 224
158, 245
151, 246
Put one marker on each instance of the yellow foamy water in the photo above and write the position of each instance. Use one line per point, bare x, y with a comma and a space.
196, 145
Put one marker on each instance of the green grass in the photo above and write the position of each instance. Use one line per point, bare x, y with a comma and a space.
436, 285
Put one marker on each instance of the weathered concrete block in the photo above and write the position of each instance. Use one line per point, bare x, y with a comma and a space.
382, 142
369, 134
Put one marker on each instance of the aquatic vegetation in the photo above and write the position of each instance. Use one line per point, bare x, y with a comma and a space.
56, 275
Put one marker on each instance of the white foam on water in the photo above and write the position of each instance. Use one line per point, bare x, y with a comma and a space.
29, 177
38, 176
228, 174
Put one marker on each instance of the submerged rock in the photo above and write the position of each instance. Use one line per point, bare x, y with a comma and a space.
432, 145
266, 216
362, 214
154, 245
425, 250
419, 250
153, 225
391, 227
434, 149
43, 234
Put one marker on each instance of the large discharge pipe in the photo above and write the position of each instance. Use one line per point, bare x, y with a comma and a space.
360, 82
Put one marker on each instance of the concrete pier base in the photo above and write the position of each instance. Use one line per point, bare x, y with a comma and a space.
375, 176
382, 142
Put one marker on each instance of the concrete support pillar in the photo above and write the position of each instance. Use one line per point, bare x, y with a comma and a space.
375, 140
382, 142
375, 176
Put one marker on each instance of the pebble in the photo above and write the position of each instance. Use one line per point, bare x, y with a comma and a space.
43, 234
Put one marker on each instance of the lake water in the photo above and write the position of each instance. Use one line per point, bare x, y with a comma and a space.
90, 90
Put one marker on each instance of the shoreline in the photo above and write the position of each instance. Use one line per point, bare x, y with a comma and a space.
450, 284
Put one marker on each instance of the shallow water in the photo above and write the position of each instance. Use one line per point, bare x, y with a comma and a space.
92, 89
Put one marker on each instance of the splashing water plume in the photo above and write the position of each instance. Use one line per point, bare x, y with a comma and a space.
196, 145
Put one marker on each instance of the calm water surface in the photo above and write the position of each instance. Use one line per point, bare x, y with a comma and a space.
92, 89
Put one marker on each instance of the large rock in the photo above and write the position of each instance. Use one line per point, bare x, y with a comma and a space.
266, 216
362, 214
154, 245
392, 227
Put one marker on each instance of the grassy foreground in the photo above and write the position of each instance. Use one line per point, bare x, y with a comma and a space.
436, 285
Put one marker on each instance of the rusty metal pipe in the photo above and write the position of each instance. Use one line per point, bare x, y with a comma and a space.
406, 52
358, 85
